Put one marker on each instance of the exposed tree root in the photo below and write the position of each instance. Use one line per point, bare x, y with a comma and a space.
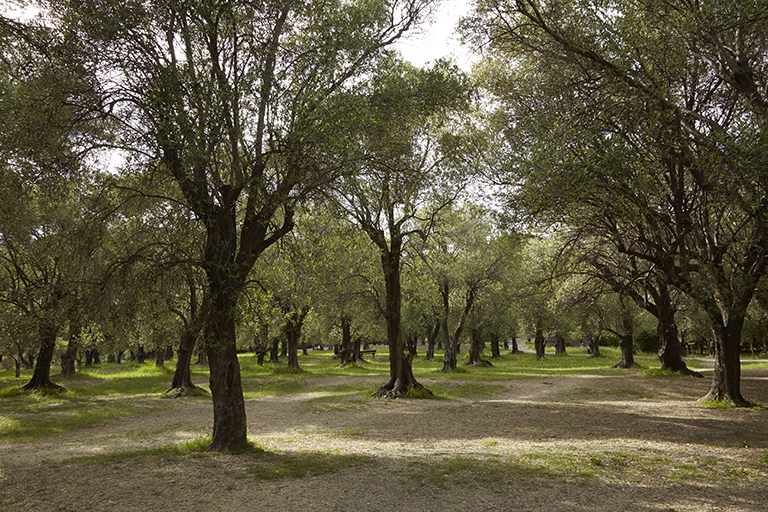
414, 390
178, 392
683, 369
723, 397
406, 386
482, 363
38, 388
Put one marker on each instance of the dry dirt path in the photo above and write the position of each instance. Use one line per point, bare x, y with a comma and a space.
557, 444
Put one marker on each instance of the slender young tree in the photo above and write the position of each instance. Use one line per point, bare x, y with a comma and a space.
408, 172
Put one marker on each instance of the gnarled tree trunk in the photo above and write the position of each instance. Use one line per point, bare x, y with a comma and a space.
670, 350
292, 329
559, 344
539, 343
41, 377
401, 378
432, 334
455, 339
69, 357
726, 380
495, 345
476, 350
182, 377
346, 353
626, 343
229, 421
594, 345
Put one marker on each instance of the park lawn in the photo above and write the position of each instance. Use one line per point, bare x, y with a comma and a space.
94, 394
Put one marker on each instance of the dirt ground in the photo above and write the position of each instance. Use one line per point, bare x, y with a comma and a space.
556, 444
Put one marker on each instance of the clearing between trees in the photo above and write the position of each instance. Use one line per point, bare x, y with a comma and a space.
621, 441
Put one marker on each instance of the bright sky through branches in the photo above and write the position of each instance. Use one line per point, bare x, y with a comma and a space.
438, 37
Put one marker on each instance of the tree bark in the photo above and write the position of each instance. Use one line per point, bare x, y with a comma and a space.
229, 421
559, 344
726, 381
594, 345
69, 357
356, 355
412, 342
41, 377
159, 358
432, 334
626, 343
539, 343
401, 378
346, 354
476, 350
670, 353
515, 349
141, 356
495, 345
453, 345
627, 352
274, 350
182, 385
225, 281
293, 323
449, 351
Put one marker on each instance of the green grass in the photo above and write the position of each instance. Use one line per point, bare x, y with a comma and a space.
453, 390
619, 392
275, 465
26, 418
580, 468
725, 404
194, 447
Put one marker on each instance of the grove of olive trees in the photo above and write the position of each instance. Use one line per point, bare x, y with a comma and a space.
215, 174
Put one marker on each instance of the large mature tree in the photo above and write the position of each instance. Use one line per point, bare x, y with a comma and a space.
658, 113
409, 171
231, 100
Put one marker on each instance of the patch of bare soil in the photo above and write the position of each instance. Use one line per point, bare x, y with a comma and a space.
557, 444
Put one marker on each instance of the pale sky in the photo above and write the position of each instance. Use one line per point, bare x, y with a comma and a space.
438, 39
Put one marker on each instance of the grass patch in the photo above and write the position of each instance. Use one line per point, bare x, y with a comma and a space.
580, 468
623, 393
349, 432
467, 390
196, 446
659, 373
336, 402
486, 472
27, 418
726, 404
275, 386
274, 466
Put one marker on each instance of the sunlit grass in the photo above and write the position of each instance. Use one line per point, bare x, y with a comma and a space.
24, 417
580, 468
192, 447
30, 417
